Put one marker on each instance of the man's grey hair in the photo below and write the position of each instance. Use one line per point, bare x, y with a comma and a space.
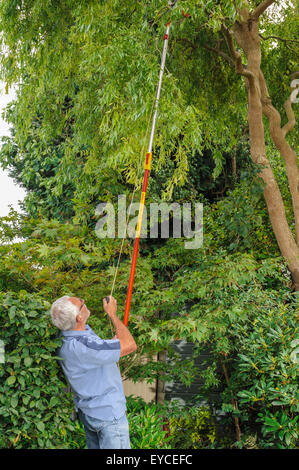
64, 313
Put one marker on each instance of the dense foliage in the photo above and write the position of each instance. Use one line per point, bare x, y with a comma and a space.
88, 74
34, 405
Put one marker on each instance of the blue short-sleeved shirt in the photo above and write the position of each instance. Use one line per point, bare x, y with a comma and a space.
89, 364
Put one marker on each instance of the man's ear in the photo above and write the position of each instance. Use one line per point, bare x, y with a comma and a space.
79, 318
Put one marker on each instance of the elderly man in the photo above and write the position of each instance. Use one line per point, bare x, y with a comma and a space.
89, 364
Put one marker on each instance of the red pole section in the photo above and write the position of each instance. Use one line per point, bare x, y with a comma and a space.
137, 237
131, 281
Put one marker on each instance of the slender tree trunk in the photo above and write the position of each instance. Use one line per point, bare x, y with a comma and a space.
234, 162
234, 403
160, 390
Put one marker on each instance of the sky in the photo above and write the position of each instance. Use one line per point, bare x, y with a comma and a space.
10, 192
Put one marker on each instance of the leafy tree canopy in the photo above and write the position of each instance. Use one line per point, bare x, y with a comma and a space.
87, 74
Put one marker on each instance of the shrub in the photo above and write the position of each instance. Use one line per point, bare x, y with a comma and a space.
264, 376
193, 428
35, 409
146, 425
169, 425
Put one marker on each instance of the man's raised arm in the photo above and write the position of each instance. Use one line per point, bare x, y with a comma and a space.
127, 342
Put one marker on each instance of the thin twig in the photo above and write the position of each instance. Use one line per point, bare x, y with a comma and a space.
278, 37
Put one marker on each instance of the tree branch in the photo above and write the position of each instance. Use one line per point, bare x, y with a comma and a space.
241, 69
187, 41
221, 53
229, 40
291, 117
279, 38
261, 8
287, 153
236, 56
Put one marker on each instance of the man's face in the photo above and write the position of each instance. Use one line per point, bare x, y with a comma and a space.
83, 310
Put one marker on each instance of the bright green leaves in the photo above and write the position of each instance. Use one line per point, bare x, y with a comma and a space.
147, 428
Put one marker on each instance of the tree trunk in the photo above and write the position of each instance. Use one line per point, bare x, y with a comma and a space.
278, 135
247, 37
160, 390
234, 163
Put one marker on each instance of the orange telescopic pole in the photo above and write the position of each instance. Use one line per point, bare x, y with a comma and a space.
147, 168
137, 237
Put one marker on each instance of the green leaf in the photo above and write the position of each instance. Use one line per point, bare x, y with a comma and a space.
36, 393
54, 401
21, 381
288, 438
14, 402
11, 380
281, 434
12, 312
40, 426
27, 361
26, 400
40, 442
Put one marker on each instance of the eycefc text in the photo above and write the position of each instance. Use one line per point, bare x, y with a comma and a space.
171, 459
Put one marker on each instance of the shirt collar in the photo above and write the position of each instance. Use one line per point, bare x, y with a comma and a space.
77, 332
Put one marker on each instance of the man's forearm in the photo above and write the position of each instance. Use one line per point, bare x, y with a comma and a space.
123, 334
